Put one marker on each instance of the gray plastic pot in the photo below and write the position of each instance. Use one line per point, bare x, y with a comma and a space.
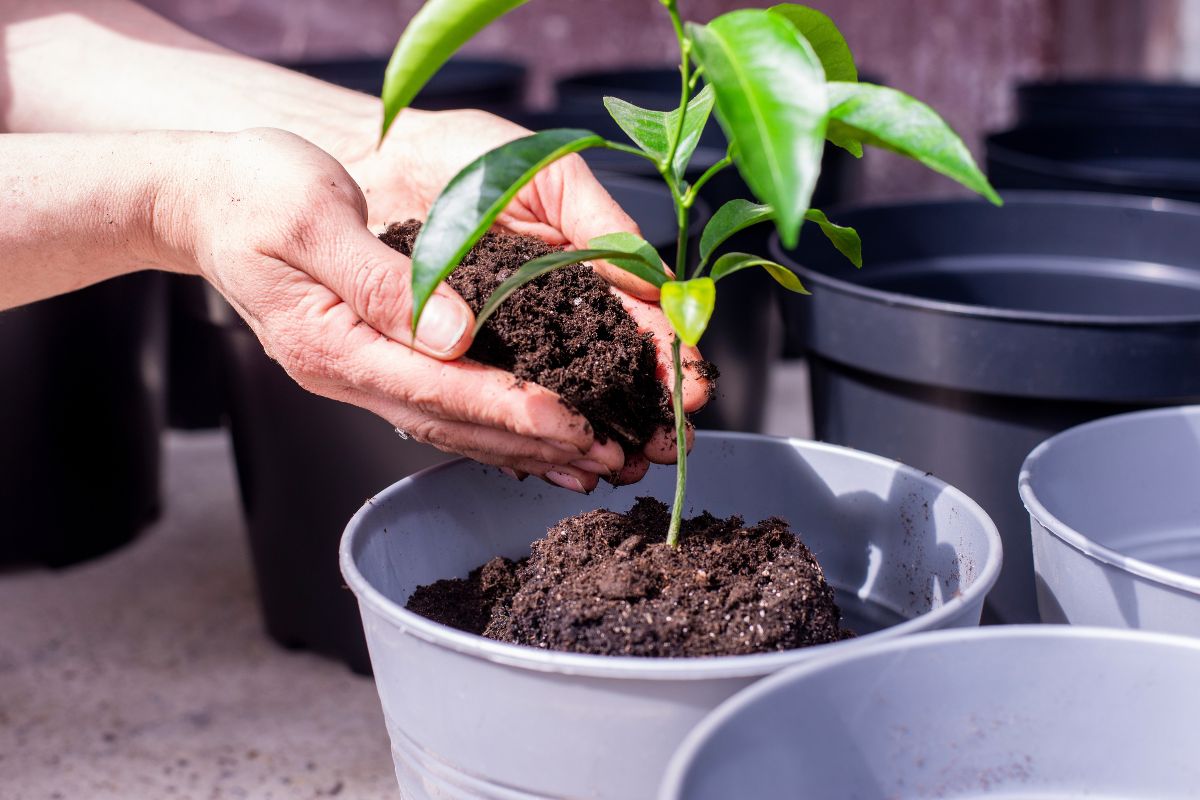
973, 333
1012, 712
473, 718
1115, 512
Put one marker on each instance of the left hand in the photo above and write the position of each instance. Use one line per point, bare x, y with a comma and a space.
563, 205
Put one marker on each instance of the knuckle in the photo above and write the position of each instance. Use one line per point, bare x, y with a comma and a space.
381, 296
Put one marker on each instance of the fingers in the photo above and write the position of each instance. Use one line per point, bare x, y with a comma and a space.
649, 318
661, 447
375, 282
636, 467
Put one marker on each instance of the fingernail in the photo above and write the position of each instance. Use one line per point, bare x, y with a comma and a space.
442, 324
591, 466
565, 481
512, 473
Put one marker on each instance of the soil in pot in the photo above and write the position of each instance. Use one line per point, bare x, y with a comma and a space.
565, 331
604, 582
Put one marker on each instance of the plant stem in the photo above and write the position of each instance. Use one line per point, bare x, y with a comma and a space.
685, 64
624, 148
694, 189
680, 447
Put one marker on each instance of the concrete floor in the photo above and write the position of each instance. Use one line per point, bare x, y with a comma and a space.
146, 675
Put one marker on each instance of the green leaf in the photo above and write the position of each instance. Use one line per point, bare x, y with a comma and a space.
643, 260
772, 103
653, 130
433, 35
735, 262
688, 306
826, 40
473, 199
734, 216
883, 117
540, 266
843, 238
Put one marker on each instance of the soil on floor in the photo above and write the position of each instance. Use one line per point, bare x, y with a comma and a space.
565, 331
607, 583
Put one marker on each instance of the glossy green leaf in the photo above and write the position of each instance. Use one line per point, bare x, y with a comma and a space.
826, 40
540, 266
433, 35
473, 199
845, 239
641, 260
688, 306
735, 262
653, 131
886, 118
734, 216
772, 103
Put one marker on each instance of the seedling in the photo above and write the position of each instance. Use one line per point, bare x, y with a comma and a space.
782, 81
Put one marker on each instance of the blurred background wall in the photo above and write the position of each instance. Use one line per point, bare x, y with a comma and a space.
961, 56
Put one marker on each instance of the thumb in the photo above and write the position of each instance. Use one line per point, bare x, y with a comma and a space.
376, 282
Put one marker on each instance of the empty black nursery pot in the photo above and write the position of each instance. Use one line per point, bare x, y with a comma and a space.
1103, 103
1151, 160
972, 333
495, 86
305, 464
81, 415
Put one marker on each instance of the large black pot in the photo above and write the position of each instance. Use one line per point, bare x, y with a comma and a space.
495, 86
1152, 160
973, 333
1104, 103
306, 463
81, 415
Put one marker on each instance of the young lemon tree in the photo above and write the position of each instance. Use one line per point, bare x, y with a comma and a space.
782, 82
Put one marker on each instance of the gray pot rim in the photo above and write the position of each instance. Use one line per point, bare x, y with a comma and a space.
1025, 197
1081, 542
665, 669
684, 754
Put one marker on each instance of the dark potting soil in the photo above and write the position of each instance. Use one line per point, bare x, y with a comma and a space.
608, 584
565, 331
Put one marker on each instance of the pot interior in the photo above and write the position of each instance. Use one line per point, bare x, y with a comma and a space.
895, 543
1129, 483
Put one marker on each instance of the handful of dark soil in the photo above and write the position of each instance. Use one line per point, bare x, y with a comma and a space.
565, 331
608, 584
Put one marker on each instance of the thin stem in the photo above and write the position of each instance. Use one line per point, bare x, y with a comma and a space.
680, 447
694, 189
685, 64
624, 148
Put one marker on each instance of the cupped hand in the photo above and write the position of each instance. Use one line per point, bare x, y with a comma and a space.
279, 227
563, 205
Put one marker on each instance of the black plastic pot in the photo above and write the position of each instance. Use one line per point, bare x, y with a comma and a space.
1152, 160
496, 86
81, 414
1104, 103
973, 333
194, 399
305, 464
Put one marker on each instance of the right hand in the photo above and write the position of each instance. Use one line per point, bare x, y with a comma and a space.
279, 228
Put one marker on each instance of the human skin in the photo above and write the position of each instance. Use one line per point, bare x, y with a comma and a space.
281, 228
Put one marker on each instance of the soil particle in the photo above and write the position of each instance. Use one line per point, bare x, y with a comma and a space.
565, 331
607, 583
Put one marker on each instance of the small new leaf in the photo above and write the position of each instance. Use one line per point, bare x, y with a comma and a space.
653, 131
537, 267
826, 40
886, 118
735, 262
734, 216
845, 239
633, 254
688, 306
473, 199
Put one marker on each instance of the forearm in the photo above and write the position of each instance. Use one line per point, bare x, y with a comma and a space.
111, 65
78, 208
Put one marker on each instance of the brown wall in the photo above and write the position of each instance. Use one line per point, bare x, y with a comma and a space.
961, 56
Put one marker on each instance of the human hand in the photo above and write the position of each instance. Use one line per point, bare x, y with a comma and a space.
563, 205
278, 226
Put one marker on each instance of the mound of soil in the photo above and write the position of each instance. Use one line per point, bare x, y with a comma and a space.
565, 331
607, 583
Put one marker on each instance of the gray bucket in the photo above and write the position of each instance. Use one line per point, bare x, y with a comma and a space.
1004, 712
1115, 512
473, 718
973, 333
